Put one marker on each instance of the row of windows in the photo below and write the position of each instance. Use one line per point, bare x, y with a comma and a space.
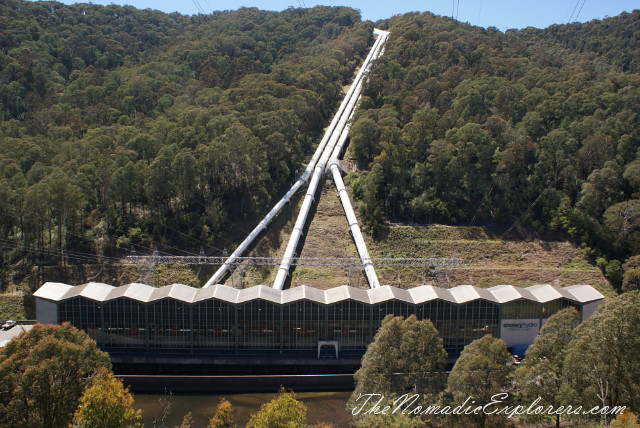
261, 325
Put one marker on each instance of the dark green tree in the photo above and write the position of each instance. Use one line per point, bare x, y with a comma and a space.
43, 374
405, 357
600, 366
481, 372
540, 374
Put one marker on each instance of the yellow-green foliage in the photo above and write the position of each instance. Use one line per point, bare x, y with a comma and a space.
284, 411
106, 404
625, 419
223, 417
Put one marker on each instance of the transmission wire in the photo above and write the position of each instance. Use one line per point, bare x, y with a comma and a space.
574, 10
584, 1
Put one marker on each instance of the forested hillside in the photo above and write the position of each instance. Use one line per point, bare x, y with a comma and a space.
467, 126
123, 128
127, 128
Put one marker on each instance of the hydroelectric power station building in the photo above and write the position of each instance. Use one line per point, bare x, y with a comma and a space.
262, 321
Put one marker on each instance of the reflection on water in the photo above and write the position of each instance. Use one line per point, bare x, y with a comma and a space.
321, 407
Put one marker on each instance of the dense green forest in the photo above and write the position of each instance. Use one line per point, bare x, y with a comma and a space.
124, 128
465, 125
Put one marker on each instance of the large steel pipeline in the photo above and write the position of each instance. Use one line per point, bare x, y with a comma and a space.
217, 276
350, 101
369, 270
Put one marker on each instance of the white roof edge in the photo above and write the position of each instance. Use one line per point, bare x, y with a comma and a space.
434, 292
52, 291
465, 293
462, 294
183, 292
303, 292
98, 291
386, 292
544, 292
584, 293
134, 291
505, 293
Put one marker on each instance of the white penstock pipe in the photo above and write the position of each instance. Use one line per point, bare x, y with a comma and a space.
318, 173
346, 109
369, 270
287, 197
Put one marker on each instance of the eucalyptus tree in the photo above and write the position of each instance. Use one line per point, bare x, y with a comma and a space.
540, 374
405, 357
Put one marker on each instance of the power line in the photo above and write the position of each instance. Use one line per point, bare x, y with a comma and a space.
232, 224
566, 13
47, 226
206, 3
198, 6
484, 200
54, 250
191, 238
435, 262
529, 209
86, 257
584, 1
81, 237
574, 10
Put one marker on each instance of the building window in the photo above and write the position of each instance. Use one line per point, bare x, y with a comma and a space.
169, 324
213, 323
477, 319
393, 307
349, 323
554, 306
125, 324
521, 309
83, 314
443, 316
259, 325
303, 325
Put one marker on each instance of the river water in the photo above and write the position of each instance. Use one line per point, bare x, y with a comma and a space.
321, 407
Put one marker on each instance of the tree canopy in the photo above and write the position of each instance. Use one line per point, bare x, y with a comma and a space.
480, 372
601, 365
106, 403
223, 416
540, 374
465, 125
284, 411
123, 128
406, 355
43, 374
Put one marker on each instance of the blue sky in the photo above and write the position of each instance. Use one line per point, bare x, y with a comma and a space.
503, 14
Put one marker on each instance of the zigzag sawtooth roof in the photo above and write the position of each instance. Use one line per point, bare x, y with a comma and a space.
458, 295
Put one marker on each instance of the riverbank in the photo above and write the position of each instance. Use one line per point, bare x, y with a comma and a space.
321, 407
